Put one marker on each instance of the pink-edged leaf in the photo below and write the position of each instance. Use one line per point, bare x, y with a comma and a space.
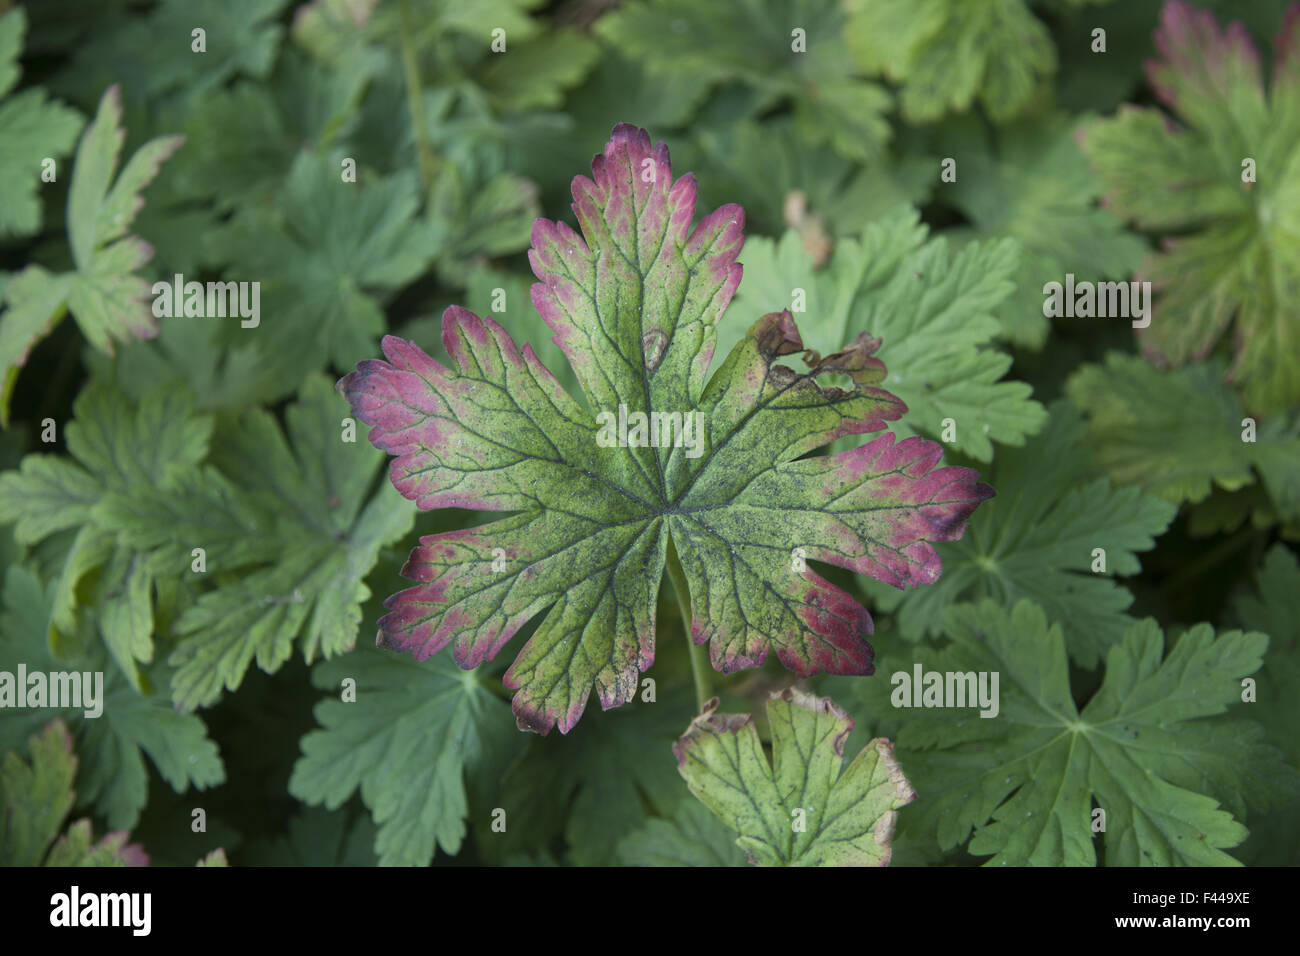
1224, 182
595, 500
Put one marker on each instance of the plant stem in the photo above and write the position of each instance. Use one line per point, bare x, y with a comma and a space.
700, 669
415, 96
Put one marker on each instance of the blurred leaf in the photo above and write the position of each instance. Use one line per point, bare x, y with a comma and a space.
32, 129
944, 53
1235, 257
35, 798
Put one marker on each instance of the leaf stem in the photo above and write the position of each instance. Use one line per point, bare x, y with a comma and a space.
701, 671
415, 96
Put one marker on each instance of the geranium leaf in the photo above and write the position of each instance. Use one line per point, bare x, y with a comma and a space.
1180, 433
34, 799
934, 311
106, 297
32, 128
1033, 183
612, 773
130, 727
334, 248
947, 52
756, 44
691, 837
1148, 748
301, 516
405, 743
800, 809
1236, 258
119, 451
634, 303
1039, 540
1273, 607
241, 36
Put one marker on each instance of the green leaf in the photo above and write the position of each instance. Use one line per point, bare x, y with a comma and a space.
101, 207
332, 30
325, 256
760, 166
534, 74
105, 296
804, 808
1038, 540
1034, 185
32, 129
130, 727
34, 303
634, 306
318, 837
1144, 749
35, 798
241, 37
1273, 606
611, 774
300, 511
691, 837
1180, 433
75, 848
1236, 254
434, 18
754, 43
405, 740
220, 375
473, 217
304, 105
945, 53
119, 451
935, 315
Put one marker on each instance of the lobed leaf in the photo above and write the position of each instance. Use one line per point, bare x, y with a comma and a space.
803, 809
633, 303
106, 297
406, 742
936, 313
1182, 433
945, 53
1236, 258
32, 129
35, 798
1149, 748
131, 726
1039, 540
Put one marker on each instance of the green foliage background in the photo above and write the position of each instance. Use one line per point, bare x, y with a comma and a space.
223, 687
